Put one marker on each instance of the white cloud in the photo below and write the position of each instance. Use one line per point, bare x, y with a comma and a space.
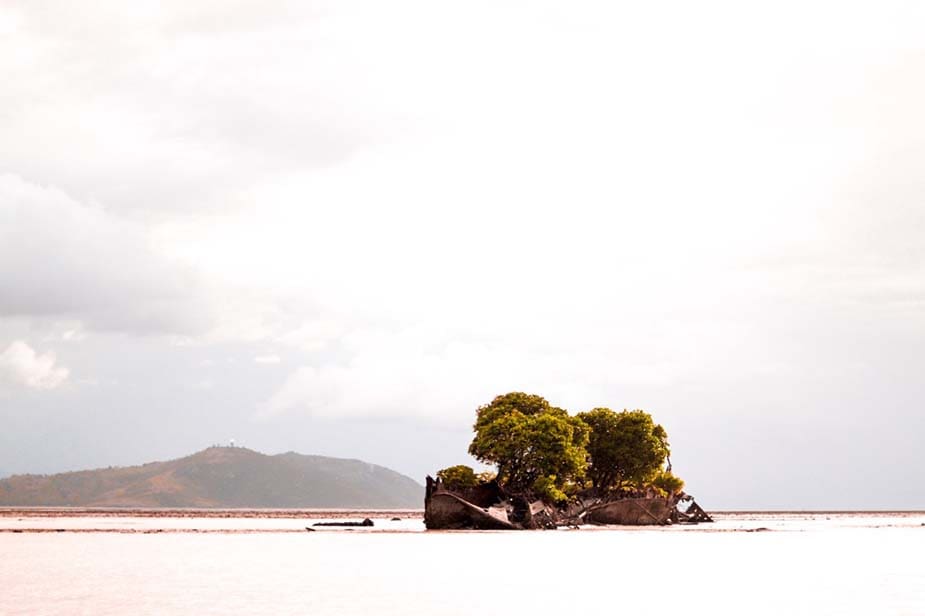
73, 335
172, 109
65, 260
267, 359
428, 373
603, 166
314, 335
21, 365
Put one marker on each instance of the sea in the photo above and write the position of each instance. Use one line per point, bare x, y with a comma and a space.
172, 562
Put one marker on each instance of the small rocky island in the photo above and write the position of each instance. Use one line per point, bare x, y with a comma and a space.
556, 469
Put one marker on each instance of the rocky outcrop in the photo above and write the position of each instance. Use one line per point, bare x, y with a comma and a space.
365, 522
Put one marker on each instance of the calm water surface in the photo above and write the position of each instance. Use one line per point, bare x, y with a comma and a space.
807, 564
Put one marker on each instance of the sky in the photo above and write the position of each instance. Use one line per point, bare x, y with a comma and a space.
340, 227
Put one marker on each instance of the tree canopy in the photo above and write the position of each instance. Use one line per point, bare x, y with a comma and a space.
459, 477
540, 448
668, 482
530, 441
624, 448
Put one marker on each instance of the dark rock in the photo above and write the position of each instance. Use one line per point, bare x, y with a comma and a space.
365, 522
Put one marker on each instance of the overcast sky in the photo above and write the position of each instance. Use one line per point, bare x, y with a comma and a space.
339, 227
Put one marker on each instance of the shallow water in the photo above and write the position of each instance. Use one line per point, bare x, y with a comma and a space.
804, 564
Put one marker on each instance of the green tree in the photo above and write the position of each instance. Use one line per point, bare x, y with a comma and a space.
668, 482
459, 477
624, 448
487, 476
528, 439
545, 488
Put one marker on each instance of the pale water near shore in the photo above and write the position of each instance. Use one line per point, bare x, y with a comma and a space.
805, 564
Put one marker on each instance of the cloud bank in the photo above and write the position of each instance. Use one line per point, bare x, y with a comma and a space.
20, 365
62, 259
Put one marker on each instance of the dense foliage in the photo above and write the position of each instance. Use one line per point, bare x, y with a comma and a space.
668, 483
541, 449
626, 448
459, 477
530, 441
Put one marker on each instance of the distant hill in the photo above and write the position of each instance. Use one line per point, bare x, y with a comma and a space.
222, 477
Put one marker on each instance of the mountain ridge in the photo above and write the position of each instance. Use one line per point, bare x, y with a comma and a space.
221, 477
